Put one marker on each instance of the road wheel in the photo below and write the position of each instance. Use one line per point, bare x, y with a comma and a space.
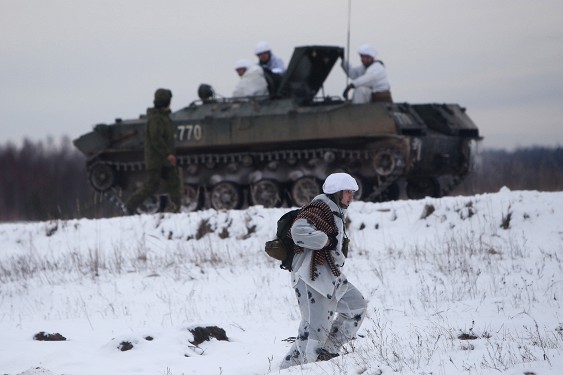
267, 193
101, 176
192, 200
304, 190
226, 196
151, 205
384, 163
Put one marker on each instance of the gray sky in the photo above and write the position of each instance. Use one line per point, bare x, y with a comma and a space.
67, 65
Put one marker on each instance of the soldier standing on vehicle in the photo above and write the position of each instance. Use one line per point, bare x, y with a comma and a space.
332, 309
160, 156
369, 80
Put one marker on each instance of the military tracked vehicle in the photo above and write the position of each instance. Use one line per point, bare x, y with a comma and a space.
277, 149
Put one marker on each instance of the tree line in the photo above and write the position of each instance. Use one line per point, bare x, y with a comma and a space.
43, 181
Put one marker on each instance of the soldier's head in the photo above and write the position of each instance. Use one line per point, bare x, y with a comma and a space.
340, 188
367, 54
241, 66
263, 51
162, 98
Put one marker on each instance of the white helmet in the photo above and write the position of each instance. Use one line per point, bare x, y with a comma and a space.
262, 47
242, 63
339, 181
366, 49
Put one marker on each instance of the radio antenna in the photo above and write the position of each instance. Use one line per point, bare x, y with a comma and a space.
348, 40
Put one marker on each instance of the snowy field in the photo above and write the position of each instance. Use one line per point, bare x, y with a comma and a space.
457, 285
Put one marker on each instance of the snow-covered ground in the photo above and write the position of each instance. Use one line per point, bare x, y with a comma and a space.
435, 272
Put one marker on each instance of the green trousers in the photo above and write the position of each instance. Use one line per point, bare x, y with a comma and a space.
171, 178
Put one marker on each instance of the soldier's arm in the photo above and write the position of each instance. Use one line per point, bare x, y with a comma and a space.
305, 234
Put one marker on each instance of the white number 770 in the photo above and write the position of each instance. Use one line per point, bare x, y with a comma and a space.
189, 132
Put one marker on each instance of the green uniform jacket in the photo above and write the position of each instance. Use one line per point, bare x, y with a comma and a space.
159, 138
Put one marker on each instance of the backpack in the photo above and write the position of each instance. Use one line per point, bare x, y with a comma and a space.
282, 247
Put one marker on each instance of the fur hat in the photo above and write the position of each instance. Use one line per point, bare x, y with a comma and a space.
162, 98
339, 181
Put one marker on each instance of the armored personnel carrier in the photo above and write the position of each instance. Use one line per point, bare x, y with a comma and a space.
277, 149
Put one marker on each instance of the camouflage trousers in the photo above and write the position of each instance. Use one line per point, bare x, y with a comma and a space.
173, 187
326, 324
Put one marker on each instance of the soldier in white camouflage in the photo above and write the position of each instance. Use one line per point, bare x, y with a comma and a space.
332, 308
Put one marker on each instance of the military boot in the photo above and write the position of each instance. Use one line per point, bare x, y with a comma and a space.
325, 355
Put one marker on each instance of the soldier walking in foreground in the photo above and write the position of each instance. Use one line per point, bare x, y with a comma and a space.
160, 158
332, 309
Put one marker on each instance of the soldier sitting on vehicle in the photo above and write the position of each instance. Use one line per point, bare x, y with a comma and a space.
266, 59
273, 66
252, 81
369, 80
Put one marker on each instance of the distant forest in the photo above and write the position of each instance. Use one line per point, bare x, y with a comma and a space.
41, 181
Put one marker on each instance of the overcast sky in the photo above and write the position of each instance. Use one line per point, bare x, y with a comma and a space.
67, 65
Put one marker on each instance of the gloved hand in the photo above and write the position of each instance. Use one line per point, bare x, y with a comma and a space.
332, 242
348, 88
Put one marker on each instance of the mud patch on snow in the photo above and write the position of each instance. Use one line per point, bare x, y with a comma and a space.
125, 346
202, 334
42, 336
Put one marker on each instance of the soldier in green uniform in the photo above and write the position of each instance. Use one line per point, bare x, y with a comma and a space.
160, 158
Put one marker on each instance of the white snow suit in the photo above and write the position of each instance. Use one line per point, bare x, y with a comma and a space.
367, 81
332, 309
252, 83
